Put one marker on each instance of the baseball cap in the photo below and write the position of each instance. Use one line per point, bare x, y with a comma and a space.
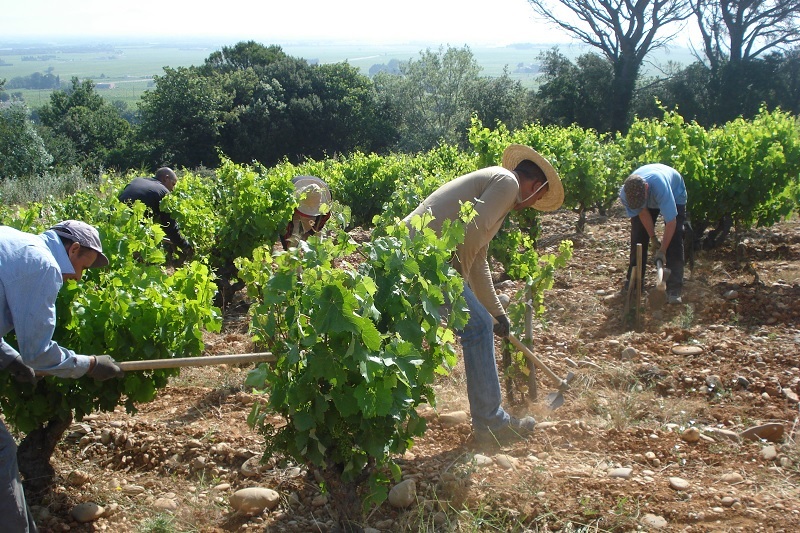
85, 235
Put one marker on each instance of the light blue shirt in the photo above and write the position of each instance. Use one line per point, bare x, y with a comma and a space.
31, 268
665, 190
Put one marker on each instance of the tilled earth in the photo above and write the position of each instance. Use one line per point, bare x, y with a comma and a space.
648, 439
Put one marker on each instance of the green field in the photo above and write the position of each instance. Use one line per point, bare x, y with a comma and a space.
125, 71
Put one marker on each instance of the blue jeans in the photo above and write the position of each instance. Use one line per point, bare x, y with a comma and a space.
14, 511
483, 383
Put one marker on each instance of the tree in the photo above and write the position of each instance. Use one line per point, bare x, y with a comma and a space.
575, 93
624, 32
182, 118
431, 96
83, 119
500, 99
737, 31
23, 150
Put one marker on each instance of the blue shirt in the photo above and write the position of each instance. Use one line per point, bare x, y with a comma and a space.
665, 190
31, 268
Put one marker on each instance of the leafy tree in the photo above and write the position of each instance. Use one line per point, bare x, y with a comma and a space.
24, 153
243, 55
81, 117
431, 96
500, 99
183, 117
624, 32
575, 93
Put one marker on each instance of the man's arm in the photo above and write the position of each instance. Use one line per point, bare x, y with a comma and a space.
669, 232
647, 221
31, 299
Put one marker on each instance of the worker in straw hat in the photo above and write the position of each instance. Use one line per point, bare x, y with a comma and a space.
312, 212
525, 179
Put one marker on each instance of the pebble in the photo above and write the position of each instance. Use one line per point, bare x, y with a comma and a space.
482, 460
772, 432
86, 512
76, 478
506, 461
403, 494
453, 418
691, 434
165, 504
132, 490
728, 501
769, 453
654, 521
731, 478
629, 353
254, 500
678, 483
623, 473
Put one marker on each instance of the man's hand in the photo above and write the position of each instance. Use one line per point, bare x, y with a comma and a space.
655, 244
104, 367
502, 327
660, 256
20, 371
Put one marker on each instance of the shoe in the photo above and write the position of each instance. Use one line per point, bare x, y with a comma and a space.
516, 429
674, 299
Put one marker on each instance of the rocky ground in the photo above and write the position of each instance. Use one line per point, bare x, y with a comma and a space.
648, 439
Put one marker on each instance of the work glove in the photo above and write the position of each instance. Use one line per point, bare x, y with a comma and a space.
104, 368
502, 327
660, 256
20, 371
655, 244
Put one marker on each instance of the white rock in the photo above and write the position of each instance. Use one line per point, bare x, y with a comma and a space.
132, 490
86, 512
623, 473
654, 521
165, 504
254, 500
678, 483
731, 477
453, 418
506, 461
403, 494
769, 453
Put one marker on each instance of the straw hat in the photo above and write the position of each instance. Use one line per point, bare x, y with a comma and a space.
311, 193
554, 197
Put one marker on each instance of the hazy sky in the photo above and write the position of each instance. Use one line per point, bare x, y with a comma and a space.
454, 22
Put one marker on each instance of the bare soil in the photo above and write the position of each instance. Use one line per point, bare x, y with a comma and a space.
173, 465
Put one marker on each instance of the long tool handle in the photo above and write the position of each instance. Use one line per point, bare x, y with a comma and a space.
536, 361
197, 361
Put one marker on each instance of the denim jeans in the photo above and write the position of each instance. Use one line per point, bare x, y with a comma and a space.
483, 383
675, 259
14, 511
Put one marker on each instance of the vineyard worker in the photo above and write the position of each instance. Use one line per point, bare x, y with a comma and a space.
650, 190
525, 179
313, 210
32, 270
150, 191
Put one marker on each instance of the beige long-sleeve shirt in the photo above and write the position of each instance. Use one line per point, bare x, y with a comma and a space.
493, 192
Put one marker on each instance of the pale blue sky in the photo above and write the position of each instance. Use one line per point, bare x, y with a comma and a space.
454, 22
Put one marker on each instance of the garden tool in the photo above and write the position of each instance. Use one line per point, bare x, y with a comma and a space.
658, 295
554, 400
209, 360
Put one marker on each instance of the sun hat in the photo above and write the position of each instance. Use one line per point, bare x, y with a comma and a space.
554, 197
85, 235
311, 193
635, 191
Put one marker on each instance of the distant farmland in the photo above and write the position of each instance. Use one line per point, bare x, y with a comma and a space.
124, 71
